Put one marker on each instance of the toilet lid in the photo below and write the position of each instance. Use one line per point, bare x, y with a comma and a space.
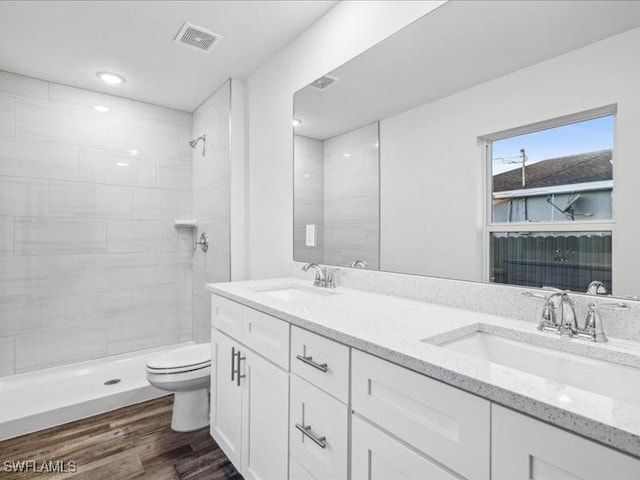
189, 356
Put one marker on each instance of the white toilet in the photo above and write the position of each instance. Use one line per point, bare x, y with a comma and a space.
186, 371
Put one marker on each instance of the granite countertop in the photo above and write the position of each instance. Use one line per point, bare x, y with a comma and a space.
393, 328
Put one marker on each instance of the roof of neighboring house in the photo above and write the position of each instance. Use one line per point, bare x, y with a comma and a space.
581, 168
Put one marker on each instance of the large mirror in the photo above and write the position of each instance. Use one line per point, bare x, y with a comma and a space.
480, 143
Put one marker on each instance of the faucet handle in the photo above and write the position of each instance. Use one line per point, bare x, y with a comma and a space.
535, 295
593, 327
609, 306
332, 275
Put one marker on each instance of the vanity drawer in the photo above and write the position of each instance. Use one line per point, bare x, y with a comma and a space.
378, 456
523, 448
327, 422
443, 422
321, 361
226, 316
266, 335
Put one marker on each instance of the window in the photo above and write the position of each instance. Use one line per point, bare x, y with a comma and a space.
550, 206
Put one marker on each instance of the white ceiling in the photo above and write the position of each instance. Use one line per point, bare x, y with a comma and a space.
459, 45
69, 41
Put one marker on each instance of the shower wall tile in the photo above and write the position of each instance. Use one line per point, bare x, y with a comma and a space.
90, 261
7, 115
173, 267
21, 314
21, 86
56, 346
39, 120
90, 308
38, 275
7, 354
212, 202
156, 204
35, 159
112, 271
117, 168
174, 174
55, 236
145, 137
6, 235
156, 113
19, 196
90, 200
63, 94
145, 236
128, 333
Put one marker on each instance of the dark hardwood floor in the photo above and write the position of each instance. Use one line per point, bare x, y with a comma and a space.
134, 442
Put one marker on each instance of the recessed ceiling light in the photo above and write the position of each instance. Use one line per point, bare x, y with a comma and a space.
346, 155
296, 122
122, 164
133, 153
101, 108
111, 78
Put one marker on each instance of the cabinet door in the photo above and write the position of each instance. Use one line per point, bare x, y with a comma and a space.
226, 398
265, 419
526, 449
377, 456
327, 421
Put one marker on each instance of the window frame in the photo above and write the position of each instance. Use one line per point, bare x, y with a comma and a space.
582, 225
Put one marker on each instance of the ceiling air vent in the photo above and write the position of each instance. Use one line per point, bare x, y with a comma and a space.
196, 37
323, 83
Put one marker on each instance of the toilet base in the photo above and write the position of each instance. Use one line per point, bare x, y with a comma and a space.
190, 410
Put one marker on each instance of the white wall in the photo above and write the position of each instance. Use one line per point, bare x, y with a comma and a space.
90, 261
345, 31
431, 158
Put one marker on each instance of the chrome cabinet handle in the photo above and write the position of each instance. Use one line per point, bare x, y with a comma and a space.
233, 363
309, 361
239, 376
307, 432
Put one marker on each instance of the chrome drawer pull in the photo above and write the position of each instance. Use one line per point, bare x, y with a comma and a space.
306, 431
309, 361
233, 363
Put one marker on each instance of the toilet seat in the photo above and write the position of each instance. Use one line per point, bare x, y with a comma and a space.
182, 360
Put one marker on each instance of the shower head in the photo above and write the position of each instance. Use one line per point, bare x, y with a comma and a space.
194, 142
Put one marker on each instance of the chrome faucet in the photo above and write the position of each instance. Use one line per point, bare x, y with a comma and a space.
359, 264
549, 322
597, 288
593, 328
321, 274
326, 278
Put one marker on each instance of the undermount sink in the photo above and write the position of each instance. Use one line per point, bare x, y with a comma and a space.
598, 376
292, 293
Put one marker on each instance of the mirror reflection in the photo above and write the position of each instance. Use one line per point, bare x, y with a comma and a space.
499, 170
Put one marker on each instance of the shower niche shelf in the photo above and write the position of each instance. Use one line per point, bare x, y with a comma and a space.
186, 223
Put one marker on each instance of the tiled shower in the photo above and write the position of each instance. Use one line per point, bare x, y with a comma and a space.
91, 263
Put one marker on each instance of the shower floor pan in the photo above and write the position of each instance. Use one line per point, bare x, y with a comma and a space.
45, 398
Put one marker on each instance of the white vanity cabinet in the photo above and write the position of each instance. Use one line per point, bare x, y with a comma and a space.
289, 404
523, 448
250, 390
